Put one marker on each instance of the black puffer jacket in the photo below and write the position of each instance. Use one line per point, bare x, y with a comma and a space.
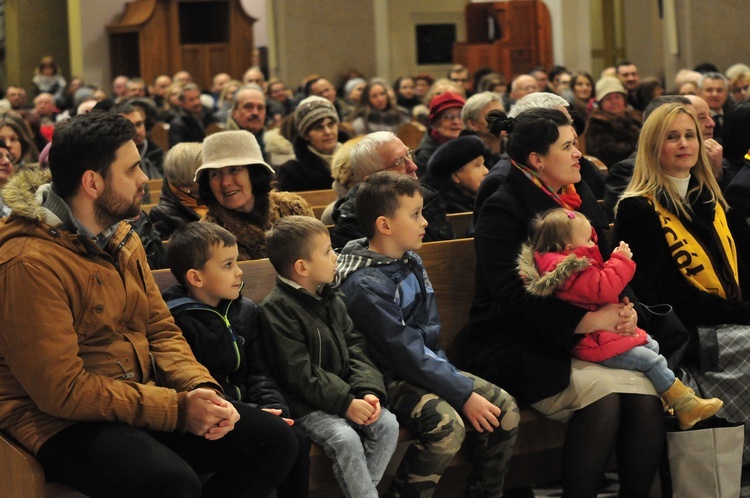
228, 341
347, 227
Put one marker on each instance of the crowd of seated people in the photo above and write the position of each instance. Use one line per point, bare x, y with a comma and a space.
242, 153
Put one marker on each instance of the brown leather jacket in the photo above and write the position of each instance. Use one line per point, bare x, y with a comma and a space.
85, 334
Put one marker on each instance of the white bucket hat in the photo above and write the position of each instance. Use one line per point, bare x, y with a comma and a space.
231, 148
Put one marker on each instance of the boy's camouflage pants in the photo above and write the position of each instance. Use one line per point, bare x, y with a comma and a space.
440, 430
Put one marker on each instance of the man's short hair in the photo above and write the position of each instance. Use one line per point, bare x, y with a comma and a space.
713, 76
365, 159
664, 99
379, 196
86, 142
186, 88
290, 239
249, 86
123, 108
622, 64
190, 247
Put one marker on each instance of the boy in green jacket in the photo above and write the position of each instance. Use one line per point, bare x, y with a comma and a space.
333, 388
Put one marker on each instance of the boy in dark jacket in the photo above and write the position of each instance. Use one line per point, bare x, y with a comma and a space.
334, 390
223, 330
391, 301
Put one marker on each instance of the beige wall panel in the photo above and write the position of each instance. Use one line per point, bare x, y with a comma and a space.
323, 37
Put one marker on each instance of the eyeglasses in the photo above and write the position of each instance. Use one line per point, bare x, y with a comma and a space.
450, 117
400, 163
741, 89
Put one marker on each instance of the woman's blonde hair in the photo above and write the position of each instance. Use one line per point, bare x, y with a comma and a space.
649, 179
181, 162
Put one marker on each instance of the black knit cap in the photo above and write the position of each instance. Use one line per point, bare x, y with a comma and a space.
454, 155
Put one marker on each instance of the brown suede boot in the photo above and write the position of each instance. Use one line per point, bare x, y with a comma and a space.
689, 408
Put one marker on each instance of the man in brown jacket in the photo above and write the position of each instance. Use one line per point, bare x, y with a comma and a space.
95, 377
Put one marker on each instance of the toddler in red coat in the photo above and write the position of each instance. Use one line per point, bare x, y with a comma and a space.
563, 259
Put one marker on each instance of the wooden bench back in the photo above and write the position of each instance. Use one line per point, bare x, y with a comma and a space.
449, 264
318, 197
461, 223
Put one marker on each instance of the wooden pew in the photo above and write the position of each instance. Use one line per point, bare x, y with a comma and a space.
461, 223
318, 211
538, 451
318, 197
154, 190
450, 265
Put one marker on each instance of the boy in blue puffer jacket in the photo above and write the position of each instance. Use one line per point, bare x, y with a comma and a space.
391, 301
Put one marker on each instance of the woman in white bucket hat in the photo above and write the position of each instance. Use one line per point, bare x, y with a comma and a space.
235, 184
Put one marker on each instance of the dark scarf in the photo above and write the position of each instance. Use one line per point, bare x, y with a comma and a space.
249, 228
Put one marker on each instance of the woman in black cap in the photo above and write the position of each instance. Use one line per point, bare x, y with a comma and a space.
455, 170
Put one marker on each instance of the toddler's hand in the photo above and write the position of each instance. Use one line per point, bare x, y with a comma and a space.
624, 249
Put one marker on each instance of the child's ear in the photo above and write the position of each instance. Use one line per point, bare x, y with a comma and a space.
382, 225
193, 277
455, 178
300, 268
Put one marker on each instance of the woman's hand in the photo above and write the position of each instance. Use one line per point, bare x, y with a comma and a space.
616, 317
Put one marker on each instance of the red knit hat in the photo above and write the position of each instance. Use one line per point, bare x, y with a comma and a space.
445, 101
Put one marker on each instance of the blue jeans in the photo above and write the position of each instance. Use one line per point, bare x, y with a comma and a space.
357, 465
645, 359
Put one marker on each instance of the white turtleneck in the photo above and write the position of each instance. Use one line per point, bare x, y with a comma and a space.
681, 184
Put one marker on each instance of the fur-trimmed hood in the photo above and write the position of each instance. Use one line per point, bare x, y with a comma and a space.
543, 274
25, 193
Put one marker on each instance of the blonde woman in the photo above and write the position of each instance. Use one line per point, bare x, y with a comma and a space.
673, 217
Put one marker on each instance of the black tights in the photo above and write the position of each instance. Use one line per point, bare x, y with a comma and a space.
630, 424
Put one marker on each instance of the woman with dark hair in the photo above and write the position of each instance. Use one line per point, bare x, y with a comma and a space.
16, 134
649, 88
674, 218
406, 96
582, 93
235, 184
524, 342
375, 111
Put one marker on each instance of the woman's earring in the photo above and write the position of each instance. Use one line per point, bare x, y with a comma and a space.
541, 168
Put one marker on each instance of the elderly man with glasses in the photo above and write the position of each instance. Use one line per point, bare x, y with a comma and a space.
381, 151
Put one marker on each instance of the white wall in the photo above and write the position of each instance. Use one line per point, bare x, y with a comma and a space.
94, 17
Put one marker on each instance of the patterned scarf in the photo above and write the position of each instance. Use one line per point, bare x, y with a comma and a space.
569, 198
189, 201
692, 258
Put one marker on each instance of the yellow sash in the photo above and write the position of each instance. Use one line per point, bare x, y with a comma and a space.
691, 257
